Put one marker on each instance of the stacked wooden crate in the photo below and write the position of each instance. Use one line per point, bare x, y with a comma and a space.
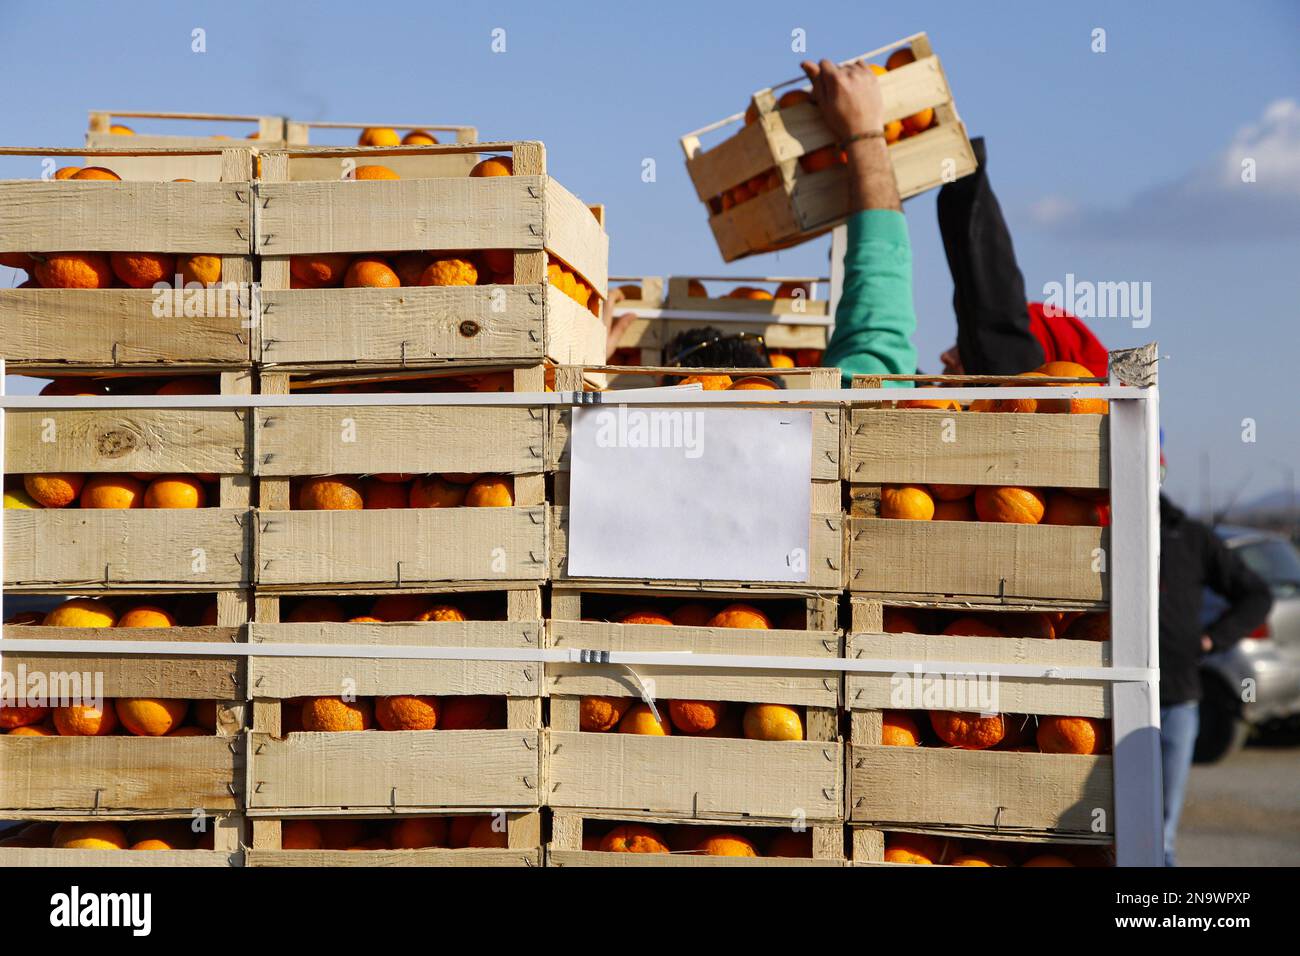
192, 562
932, 591
785, 797
476, 791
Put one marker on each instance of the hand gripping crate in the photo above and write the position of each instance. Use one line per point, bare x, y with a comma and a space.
796, 205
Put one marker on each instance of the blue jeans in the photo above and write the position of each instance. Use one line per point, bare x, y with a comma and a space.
1179, 724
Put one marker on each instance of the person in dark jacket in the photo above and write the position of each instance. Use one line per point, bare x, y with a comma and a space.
1193, 558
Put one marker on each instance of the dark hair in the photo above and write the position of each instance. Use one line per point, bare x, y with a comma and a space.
726, 352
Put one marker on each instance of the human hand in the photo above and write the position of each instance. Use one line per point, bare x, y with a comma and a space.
849, 97
1207, 644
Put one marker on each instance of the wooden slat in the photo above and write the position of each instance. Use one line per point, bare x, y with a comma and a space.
141, 547
794, 688
416, 439
924, 445
980, 788
319, 168
157, 440
504, 212
573, 334
388, 769
117, 773
959, 558
39, 216
1015, 695
574, 235
283, 677
131, 675
825, 564
40, 857
430, 544
111, 327
781, 780
402, 326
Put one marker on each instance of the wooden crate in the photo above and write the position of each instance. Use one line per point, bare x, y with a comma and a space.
411, 772
868, 844
137, 548
190, 156
228, 843
399, 547
972, 561
807, 205
970, 791
523, 833
568, 829
128, 777
529, 213
826, 540
684, 776
51, 330
309, 168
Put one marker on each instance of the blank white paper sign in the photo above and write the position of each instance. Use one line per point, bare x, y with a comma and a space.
702, 494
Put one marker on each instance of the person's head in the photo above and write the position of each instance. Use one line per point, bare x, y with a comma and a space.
708, 347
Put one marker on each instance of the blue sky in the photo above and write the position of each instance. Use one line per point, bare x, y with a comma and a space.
1114, 166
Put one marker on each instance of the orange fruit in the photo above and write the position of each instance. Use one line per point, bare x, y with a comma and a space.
963, 509
441, 612
81, 612
899, 620
150, 716
914, 848
644, 616
175, 491
909, 502
740, 615
951, 492
1062, 508
709, 383
379, 136
772, 722
368, 273
82, 720
1019, 405
827, 157
335, 493
112, 491
54, 490
386, 494
73, 270
334, 714
939, 403
203, 269
419, 137
640, 719
491, 491
320, 271
471, 712
602, 714
919, 121
633, 838
316, 610
968, 731
374, 172
449, 272
34, 730
725, 844
973, 627
140, 270
66, 172
794, 290
341, 834
13, 718
900, 57
899, 730
96, 173
300, 835
89, 836
1047, 859
434, 491
696, 716
406, 712
494, 166
793, 98
74, 386
791, 844
417, 833
146, 615
489, 832
750, 292
893, 131
755, 382
780, 360
1071, 406
1071, 735
409, 266
1009, 505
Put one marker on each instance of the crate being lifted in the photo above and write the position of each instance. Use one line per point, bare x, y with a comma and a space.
781, 180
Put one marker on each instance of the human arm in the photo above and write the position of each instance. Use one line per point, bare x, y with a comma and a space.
1248, 596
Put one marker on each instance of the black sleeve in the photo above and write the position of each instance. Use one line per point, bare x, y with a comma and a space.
993, 334
1248, 595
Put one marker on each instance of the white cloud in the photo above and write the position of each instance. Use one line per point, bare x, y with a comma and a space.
1249, 190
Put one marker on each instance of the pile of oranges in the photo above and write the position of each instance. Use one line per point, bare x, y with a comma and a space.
387, 136
107, 835
447, 490
1043, 625
699, 718
693, 839
826, 157
113, 490
109, 270
927, 849
1020, 733
131, 716
397, 712
186, 610
407, 833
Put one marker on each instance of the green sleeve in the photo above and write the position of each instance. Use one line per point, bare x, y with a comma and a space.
875, 318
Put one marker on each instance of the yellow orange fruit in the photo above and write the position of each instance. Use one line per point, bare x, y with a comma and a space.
644, 616
491, 491
374, 172
73, 270
409, 266
12, 717
334, 714
175, 491
385, 494
92, 173
640, 719
696, 716
898, 729
66, 172
434, 491
951, 492
140, 270
602, 714
633, 838
83, 720
757, 382
419, 137
19, 498
910, 502
726, 844
450, 271
494, 166
1071, 735
146, 615
772, 722
1009, 505
407, 712
968, 731
740, 615
320, 271
89, 836
336, 493
369, 273
81, 612
150, 716
316, 610
780, 360
417, 833
1062, 508
1071, 406
379, 136
709, 383
45, 729
441, 612
200, 268
112, 491
973, 627
963, 509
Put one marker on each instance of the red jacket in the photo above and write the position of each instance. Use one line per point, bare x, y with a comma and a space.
1065, 338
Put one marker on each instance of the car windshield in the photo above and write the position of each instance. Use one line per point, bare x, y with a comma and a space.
1276, 561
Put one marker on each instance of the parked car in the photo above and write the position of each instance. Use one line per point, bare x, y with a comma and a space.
1269, 658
